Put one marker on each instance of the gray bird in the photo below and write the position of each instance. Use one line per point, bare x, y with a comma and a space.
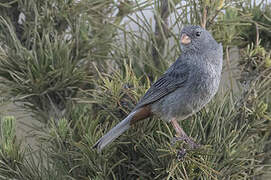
186, 87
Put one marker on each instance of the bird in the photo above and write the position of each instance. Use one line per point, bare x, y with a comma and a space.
184, 89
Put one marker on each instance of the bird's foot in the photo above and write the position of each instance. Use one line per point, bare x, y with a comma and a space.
187, 139
182, 152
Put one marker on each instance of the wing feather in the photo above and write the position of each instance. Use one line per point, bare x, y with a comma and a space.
174, 78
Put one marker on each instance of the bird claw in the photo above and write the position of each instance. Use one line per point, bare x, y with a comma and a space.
173, 141
188, 140
180, 154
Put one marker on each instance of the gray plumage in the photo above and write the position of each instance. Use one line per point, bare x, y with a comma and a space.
187, 86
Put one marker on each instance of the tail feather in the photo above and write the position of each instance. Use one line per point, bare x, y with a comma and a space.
114, 132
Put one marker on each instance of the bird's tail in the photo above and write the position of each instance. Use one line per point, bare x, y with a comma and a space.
114, 132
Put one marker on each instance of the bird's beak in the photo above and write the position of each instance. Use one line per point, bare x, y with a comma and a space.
185, 39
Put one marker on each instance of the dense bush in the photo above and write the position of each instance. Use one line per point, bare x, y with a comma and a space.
79, 68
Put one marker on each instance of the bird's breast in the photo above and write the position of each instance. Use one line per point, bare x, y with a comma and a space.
203, 85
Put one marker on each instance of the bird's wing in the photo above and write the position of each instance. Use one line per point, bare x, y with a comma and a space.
174, 78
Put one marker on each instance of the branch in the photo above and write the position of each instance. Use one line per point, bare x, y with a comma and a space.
161, 30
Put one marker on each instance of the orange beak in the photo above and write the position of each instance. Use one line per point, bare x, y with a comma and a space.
185, 39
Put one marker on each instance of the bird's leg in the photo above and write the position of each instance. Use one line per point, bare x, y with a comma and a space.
181, 135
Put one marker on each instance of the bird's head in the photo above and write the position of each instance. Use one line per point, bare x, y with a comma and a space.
196, 39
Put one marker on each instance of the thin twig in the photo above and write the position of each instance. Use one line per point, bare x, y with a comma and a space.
161, 30
228, 67
204, 17
257, 34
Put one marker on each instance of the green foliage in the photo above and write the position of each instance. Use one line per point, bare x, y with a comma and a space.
243, 23
79, 68
44, 77
255, 64
227, 30
259, 23
233, 138
10, 149
8, 137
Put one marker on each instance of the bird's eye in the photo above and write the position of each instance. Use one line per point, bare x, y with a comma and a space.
198, 33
